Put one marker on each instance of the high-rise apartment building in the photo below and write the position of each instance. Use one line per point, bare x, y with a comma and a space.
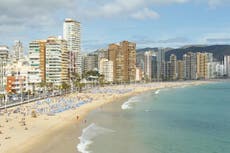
167, 70
18, 50
57, 61
90, 62
37, 57
180, 69
140, 61
4, 56
173, 67
213, 70
190, 66
202, 65
210, 57
148, 65
106, 69
102, 54
154, 67
123, 56
71, 33
160, 64
4, 52
138, 74
227, 65
219, 70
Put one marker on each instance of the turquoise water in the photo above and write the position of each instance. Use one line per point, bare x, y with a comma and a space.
180, 120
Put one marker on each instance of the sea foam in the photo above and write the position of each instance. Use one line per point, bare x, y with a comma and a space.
127, 104
157, 92
88, 134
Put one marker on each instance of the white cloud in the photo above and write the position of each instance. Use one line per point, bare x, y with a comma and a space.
122, 8
107, 9
20, 17
27, 18
175, 40
31, 13
145, 14
215, 38
23, 11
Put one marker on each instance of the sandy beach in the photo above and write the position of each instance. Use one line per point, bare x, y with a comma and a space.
41, 124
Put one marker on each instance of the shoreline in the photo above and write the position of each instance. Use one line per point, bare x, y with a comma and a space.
44, 128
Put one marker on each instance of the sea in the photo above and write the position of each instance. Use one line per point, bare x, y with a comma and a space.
187, 119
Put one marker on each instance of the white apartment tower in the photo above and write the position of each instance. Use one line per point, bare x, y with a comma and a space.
72, 34
160, 63
148, 64
227, 65
17, 50
4, 57
106, 68
56, 61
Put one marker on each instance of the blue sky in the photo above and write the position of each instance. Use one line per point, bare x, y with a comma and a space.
149, 23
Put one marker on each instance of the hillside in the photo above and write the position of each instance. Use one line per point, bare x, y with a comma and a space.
218, 51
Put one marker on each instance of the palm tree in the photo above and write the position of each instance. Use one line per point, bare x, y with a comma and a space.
49, 86
76, 80
65, 86
146, 78
101, 80
43, 86
91, 73
81, 85
2, 96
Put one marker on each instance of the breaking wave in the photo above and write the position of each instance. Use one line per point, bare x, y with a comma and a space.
127, 104
157, 92
88, 134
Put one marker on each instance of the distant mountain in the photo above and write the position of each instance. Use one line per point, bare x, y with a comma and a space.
218, 51
188, 46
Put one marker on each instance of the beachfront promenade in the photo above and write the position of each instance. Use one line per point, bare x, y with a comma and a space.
61, 103
39, 118
28, 99
9, 104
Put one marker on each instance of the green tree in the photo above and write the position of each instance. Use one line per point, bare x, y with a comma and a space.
146, 78
91, 73
42, 84
101, 80
65, 86
79, 85
76, 78
2, 96
50, 86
